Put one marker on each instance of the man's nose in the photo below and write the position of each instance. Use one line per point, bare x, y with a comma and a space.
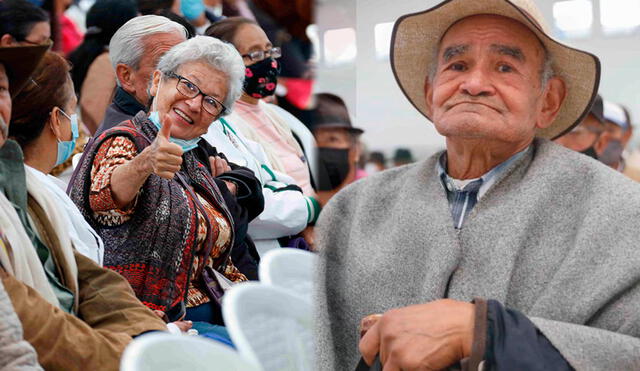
477, 83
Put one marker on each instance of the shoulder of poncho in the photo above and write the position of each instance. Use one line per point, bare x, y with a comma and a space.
573, 172
384, 185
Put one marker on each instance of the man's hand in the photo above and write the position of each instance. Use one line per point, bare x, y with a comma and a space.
429, 336
165, 158
218, 166
309, 235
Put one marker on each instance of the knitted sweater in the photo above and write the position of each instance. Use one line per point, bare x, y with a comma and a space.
155, 248
555, 238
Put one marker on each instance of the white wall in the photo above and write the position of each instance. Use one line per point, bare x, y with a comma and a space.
380, 108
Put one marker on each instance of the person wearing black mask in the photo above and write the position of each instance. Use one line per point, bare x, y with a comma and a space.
338, 146
589, 137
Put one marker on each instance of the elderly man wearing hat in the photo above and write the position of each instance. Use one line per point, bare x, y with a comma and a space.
544, 238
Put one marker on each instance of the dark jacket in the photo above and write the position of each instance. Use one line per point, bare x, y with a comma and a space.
123, 107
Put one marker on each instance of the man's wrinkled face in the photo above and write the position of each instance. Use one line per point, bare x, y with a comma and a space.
155, 46
487, 84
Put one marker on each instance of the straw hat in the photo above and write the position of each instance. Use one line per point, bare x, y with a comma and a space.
20, 62
416, 36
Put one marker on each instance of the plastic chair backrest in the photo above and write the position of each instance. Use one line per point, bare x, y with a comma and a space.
270, 326
162, 351
291, 269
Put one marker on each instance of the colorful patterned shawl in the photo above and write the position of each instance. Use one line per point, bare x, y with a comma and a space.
154, 249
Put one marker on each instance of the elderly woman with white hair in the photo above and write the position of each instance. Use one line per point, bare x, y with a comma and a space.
164, 222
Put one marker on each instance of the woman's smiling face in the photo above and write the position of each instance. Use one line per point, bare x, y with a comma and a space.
188, 118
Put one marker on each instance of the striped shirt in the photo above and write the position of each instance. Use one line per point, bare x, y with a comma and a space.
464, 194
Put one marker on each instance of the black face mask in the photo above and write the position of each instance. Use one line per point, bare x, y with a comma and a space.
612, 154
591, 152
261, 78
334, 167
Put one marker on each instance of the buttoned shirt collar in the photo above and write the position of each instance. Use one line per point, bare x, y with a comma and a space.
488, 179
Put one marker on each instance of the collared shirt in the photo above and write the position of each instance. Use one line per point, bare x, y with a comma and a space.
463, 195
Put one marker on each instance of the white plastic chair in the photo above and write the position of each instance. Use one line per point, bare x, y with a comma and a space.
270, 326
166, 352
291, 269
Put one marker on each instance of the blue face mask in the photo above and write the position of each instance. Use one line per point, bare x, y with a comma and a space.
191, 9
187, 145
65, 148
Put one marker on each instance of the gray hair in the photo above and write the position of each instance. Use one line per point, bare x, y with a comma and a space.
546, 70
218, 54
126, 45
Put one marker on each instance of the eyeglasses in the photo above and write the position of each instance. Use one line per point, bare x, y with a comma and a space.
191, 90
259, 55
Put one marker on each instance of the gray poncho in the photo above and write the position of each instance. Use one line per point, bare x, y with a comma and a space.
557, 237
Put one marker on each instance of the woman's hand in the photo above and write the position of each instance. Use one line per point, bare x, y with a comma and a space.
162, 158
218, 166
165, 158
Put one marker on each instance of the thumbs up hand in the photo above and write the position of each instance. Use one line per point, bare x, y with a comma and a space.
165, 157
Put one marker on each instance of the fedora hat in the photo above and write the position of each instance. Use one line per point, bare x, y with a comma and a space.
416, 36
331, 113
19, 62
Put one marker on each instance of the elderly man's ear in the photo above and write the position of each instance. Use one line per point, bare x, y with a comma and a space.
428, 96
552, 100
126, 77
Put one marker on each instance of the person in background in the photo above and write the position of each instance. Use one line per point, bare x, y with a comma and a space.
167, 225
589, 137
22, 23
76, 314
70, 34
618, 127
264, 123
287, 211
195, 12
45, 125
214, 10
402, 156
93, 76
338, 147
285, 23
261, 122
376, 163
135, 50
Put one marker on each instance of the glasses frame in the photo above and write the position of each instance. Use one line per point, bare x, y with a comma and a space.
181, 78
259, 55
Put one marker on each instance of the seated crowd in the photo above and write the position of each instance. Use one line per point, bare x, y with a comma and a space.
153, 165
173, 176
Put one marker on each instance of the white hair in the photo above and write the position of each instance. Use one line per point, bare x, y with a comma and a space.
220, 55
127, 46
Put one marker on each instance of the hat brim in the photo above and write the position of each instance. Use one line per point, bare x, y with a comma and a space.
20, 62
416, 36
347, 127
